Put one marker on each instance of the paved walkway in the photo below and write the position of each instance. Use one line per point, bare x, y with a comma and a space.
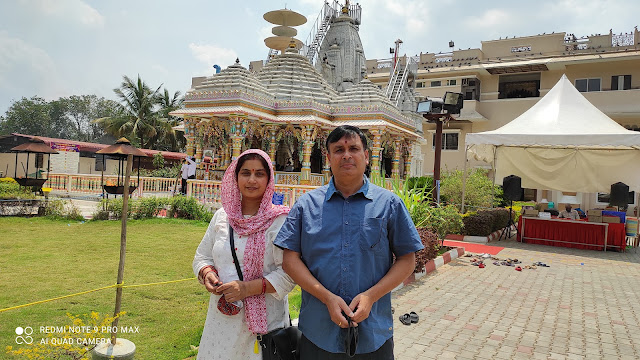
585, 306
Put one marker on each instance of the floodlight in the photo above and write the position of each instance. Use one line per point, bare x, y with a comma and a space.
453, 102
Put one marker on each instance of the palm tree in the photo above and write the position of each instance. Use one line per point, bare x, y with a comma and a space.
168, 138
137, 116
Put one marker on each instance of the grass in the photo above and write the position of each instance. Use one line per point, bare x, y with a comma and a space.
42, 259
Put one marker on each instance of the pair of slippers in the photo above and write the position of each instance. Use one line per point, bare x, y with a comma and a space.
410, 318
541, 264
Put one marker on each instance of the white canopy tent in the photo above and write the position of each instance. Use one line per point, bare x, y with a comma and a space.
563, 143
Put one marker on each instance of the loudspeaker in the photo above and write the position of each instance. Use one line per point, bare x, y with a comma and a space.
512, 187
619, 194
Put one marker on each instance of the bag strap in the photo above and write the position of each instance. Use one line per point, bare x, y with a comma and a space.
233, 253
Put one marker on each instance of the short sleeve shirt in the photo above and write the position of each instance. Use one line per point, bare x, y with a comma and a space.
348, 245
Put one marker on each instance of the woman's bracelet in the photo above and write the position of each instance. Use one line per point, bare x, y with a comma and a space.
202, 273
264, 286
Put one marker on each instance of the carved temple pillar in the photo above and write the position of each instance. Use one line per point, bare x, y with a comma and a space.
376, 152
326, 168
273, 143
189, 134
238, 130
395, 163
308, 137
198, 152
407, 161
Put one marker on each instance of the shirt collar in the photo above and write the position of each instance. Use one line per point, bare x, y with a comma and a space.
364, 190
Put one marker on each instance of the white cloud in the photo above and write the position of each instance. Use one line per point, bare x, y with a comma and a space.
490, 19
26, 70
76, 10
211, 55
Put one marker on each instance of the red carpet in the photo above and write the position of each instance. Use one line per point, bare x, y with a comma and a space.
475, 248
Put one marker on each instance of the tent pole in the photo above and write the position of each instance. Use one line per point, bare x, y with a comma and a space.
493, 170
464, 178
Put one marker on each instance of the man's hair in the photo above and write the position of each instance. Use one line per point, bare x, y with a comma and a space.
346, 130
252, 156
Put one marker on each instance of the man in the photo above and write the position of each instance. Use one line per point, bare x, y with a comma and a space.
339, 243
188, 171
568, 213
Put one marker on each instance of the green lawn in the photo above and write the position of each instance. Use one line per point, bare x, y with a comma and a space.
42, 259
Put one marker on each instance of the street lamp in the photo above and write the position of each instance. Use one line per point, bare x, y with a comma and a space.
439, 110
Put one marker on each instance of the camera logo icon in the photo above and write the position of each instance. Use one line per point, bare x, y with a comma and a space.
24, 335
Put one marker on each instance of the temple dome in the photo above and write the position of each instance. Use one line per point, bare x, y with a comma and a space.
290, 76
234, 78
363, 93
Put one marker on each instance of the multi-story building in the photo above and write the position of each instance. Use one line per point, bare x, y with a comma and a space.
505, 77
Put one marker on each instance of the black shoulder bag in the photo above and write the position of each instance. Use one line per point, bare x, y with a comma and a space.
278, 344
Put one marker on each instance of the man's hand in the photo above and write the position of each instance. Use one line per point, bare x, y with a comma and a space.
336, 306
361, 304
233, 291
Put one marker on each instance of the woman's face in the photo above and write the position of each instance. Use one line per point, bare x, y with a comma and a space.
252, 180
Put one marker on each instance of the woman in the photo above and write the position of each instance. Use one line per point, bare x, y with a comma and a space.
240, 310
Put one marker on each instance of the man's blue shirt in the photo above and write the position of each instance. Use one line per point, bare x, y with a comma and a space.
347, 244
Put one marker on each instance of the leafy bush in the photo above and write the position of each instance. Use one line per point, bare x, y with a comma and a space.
10, 189
158, 160
62, 210
480, 192
480, 224
8, 180
444, 220
101, 215
188, 208
431, 246
420, 182
147, 207
164, 172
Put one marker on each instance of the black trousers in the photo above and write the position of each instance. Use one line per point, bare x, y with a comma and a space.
309, 351
183, 189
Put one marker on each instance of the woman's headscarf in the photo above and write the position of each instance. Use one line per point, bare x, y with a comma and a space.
255, 228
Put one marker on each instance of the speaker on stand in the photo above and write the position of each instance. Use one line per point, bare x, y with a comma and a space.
512, 189
619, 195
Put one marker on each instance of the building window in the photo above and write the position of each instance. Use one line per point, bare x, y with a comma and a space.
519, 86
621, 82
436, 83
587, 85
452, 82
449, 141
420, 84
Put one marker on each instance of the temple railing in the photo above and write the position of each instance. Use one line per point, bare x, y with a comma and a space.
206, 191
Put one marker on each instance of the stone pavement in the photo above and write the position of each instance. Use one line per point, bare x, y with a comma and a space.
586, 305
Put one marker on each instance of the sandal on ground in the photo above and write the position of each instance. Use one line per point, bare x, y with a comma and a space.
413, 317
518, 268
405, 319
481, 265
496, 263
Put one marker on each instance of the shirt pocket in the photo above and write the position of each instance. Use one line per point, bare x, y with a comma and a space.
373, 235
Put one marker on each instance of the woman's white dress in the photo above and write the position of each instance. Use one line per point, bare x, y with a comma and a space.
228, 337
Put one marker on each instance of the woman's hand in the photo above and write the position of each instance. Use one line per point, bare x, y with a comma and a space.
233, 291
211, 282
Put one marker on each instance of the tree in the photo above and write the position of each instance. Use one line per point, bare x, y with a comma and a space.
79, 113
136, 117
167, 137
32, 117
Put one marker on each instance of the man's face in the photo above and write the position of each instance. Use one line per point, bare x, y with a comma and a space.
348, 159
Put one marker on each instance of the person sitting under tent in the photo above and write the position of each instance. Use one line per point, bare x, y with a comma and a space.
569, 213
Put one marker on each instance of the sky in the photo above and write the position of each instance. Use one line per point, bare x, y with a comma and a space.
59, 48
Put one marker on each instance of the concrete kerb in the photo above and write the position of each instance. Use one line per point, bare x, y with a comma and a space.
433, 265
